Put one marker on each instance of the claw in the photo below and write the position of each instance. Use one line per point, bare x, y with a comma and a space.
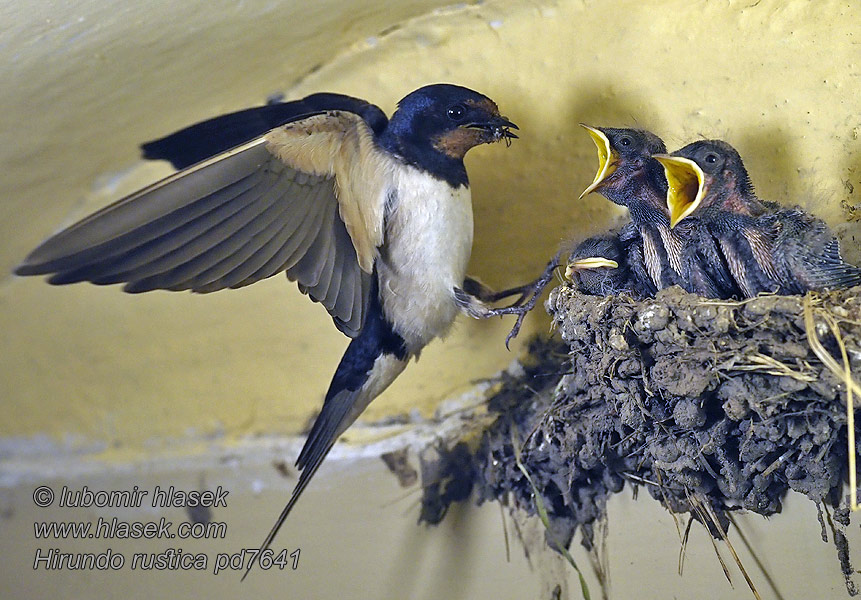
527, 301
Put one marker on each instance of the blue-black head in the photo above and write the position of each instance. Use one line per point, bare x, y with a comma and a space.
436, 125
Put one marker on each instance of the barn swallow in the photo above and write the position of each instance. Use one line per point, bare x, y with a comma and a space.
767, 248
372, 217
628, 176
594, 266
610, 264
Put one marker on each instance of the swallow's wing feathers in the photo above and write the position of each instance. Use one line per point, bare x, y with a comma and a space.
341, 144
809, 253
206, 139
828, 269
293, 200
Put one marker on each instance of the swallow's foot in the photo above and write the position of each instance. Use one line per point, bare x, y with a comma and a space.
473, 301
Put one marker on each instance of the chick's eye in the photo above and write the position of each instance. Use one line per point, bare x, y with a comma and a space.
625, 141
711, 158
456, 112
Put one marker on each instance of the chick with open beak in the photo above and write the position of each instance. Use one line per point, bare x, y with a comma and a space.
628, 176
766, 248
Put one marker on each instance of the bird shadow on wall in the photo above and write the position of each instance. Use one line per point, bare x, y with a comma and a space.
458, 533
773, 163
512, 203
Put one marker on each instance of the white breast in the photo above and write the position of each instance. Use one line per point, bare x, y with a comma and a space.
427, 248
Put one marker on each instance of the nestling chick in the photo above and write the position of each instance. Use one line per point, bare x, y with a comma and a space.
628, 175
610, 264
767, 248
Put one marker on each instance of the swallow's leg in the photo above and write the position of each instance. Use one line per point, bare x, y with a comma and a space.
480, 291
474, 296
471, 304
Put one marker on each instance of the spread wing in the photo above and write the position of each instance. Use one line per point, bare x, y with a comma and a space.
203, 140
307, 198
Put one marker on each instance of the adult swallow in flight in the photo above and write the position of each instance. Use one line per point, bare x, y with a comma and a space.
767, 248
628, 175
372, 217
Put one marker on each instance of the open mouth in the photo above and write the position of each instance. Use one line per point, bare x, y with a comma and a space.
607, 159
593, 262
685, 184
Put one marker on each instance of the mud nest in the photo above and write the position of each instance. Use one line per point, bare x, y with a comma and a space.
712, 406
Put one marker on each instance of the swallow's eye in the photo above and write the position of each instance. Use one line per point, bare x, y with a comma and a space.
711, 158
456, 112
625, 141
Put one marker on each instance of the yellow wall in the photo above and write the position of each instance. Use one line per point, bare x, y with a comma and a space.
122, 375
174, 389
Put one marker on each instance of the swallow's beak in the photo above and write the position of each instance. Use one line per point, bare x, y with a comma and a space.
608, 159
685, 186
593, 262
497, 126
